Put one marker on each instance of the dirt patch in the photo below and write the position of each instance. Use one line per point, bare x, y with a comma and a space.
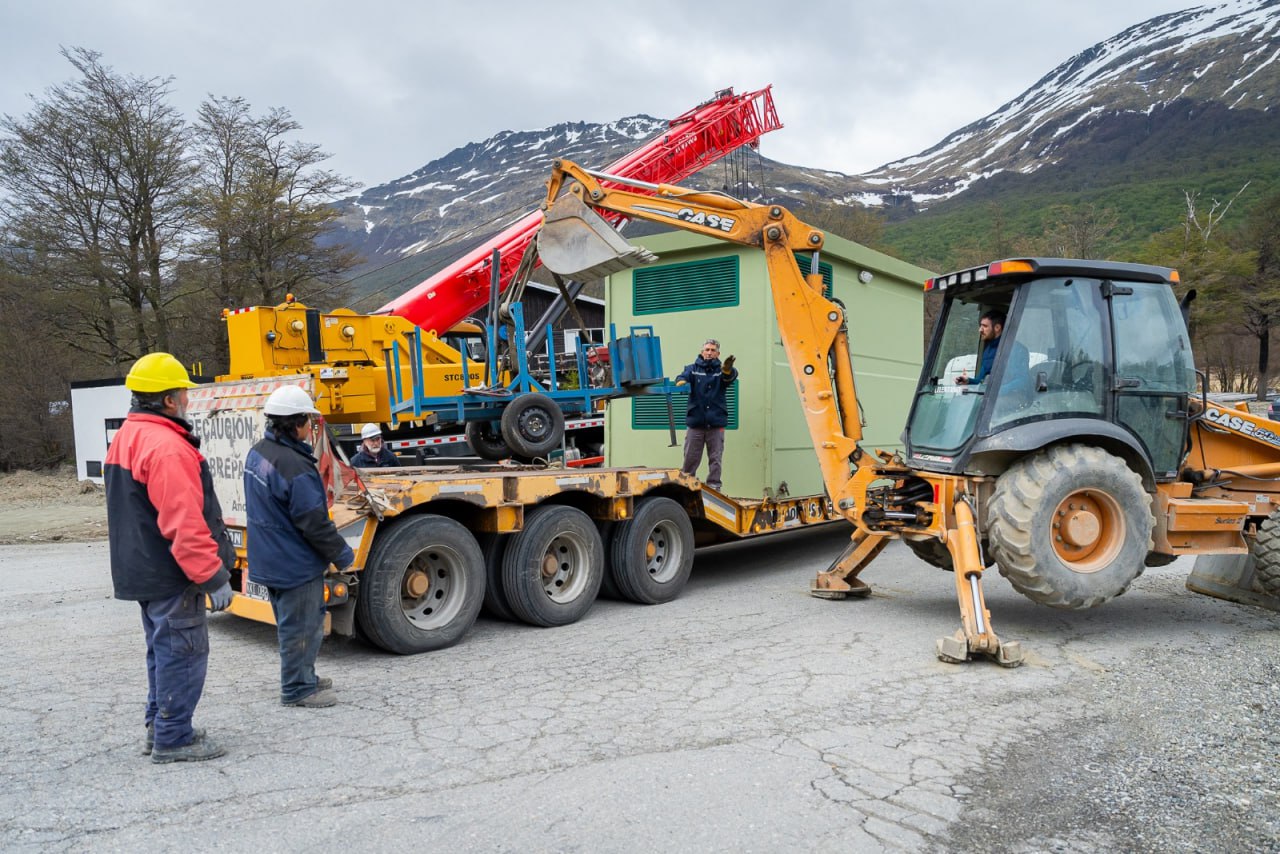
40, 507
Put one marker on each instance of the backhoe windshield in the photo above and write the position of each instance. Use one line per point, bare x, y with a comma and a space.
1053, 361
945, 410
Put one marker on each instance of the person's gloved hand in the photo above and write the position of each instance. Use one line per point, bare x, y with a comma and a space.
220, 599
728, 364
681, 382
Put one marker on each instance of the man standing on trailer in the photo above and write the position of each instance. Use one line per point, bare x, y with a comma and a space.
291, 540
169, 547
708, 412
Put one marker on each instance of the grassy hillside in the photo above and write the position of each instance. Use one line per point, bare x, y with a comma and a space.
1138, 167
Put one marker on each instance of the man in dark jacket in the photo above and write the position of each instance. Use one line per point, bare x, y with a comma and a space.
291, 541
169, 547
373, 453
708, 413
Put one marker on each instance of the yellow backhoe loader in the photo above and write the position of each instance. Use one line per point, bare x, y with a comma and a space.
1078, 451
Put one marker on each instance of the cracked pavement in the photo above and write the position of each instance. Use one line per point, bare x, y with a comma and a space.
744, 716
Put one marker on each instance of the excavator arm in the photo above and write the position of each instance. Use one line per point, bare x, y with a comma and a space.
577, 242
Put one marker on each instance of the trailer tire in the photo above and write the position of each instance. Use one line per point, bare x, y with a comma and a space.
493, 547
552, 570
423, 586
532, 426
1070, 526
651, 554
1266, 555
608, 590
487, 443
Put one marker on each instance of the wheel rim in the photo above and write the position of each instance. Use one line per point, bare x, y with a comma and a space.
662, 552
535, 424
1088, 530
433, 588
565, 567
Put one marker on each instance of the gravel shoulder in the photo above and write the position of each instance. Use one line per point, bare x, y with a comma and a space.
46, 507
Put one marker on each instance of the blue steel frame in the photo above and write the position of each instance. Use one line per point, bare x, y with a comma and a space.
487, 404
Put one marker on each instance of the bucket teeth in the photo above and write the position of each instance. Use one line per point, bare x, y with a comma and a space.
577, 243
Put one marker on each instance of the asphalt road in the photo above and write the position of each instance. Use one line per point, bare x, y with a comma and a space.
745, 716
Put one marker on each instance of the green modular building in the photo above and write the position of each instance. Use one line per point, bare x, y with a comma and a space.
703, 288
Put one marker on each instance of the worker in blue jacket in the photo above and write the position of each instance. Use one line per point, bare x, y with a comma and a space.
708, 412
373, 451
291, 540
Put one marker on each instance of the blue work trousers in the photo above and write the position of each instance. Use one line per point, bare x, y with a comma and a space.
300, 627
177, 660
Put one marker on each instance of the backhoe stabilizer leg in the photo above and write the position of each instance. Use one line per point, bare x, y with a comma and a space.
840, 580
975, 637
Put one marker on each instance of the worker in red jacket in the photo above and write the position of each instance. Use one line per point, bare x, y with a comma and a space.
169, 548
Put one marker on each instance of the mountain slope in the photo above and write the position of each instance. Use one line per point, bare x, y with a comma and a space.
1185, 102
1226, 54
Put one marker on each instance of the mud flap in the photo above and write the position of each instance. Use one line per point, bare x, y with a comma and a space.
1229, 577
577, 243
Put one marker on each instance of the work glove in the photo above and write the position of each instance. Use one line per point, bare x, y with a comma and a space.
220, 599
728, 365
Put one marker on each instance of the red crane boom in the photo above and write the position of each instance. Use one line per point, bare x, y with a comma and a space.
691, 142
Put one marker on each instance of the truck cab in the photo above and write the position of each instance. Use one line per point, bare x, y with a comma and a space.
1087, 348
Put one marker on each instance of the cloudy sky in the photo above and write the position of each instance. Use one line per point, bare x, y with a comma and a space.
387, 87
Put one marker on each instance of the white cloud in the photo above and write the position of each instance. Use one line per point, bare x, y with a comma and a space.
387, 87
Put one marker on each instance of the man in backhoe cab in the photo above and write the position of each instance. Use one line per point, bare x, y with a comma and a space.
708, 412
292, 540
1018, 374
169, 548
373, 452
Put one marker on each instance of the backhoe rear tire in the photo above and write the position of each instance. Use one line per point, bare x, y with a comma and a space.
1070, 526
1266, 555
934, 552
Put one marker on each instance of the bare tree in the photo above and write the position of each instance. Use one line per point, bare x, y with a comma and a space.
1207, 260
1079, 231
97, 176
270, 206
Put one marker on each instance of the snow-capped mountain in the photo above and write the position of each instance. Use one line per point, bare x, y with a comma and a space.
1157, 96
478, 188
1226, 54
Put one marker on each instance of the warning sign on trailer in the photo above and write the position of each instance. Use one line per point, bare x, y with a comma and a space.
229, 421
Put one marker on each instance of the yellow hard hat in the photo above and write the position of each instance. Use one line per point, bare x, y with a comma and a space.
156, 372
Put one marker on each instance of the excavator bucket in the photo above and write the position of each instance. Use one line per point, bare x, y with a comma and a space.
577, 243
1230, 577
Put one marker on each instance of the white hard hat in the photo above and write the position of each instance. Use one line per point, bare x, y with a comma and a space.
289, 400
370, 431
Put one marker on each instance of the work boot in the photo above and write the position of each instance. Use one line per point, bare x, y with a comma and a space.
150, 741
199, 749
322, 699
323, 683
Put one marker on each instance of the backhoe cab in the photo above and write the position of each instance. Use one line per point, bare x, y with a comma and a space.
1088, 348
